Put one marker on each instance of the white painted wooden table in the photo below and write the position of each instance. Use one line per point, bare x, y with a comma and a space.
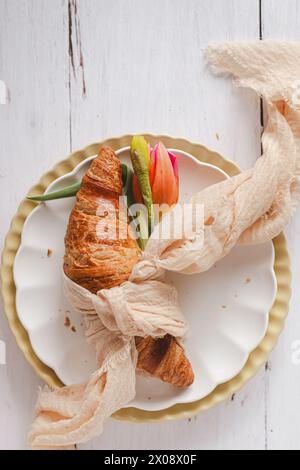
79, 71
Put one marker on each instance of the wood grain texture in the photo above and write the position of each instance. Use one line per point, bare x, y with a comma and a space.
283, 384
145, 72
34, 133
82, 70
149, 75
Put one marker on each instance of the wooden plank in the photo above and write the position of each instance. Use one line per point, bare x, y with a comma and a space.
144, 72
281, 21
34, 133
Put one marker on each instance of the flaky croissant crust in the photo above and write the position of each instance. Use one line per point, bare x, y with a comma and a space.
95, 257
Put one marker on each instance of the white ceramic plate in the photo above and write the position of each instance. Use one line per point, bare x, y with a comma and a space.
227, 307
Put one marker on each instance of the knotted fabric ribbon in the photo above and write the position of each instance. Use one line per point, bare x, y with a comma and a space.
250, 208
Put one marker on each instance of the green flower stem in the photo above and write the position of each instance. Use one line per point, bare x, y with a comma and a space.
143, 229
72, 190
68, 191
140, 159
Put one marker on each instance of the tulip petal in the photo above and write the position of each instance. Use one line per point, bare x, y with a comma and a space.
174, 162
153, 158
165, 183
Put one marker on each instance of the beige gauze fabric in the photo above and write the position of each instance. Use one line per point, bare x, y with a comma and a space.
250, 208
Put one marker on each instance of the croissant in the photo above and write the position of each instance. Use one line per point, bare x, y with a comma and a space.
95, 258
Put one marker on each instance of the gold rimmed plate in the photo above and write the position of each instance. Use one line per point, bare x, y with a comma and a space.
221, 392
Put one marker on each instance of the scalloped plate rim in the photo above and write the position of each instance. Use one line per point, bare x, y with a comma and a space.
52, 365
257, 358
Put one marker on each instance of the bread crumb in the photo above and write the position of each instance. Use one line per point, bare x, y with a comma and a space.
73, 329
268, 367
224, 306
248, 280
67, 322
105, 214
49, 252
209, 221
